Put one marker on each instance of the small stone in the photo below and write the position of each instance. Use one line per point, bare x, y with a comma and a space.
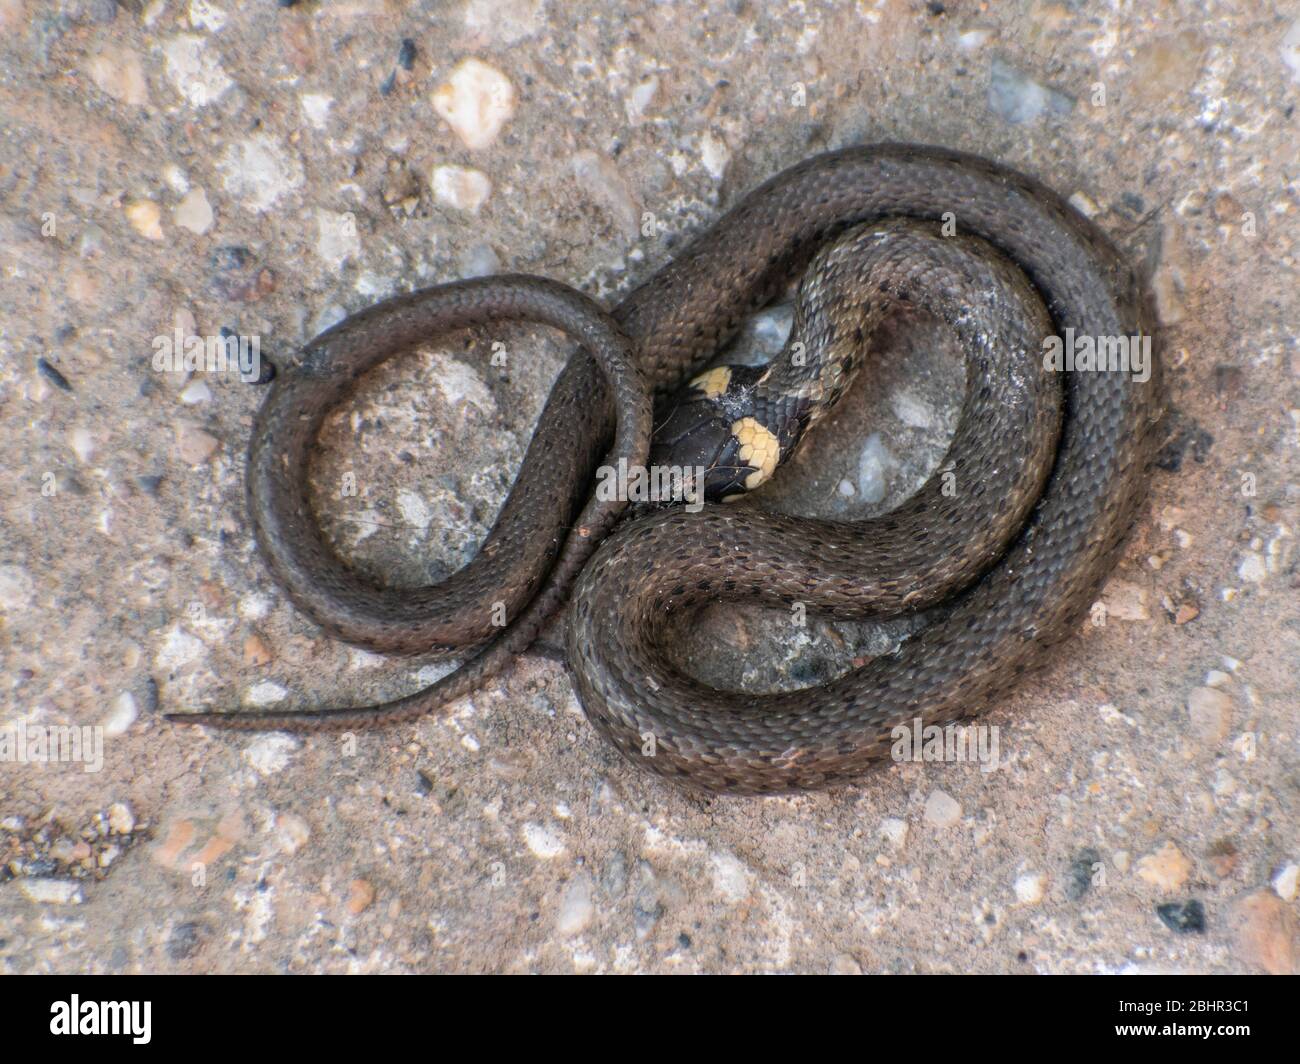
844, 964
1265, 933
1289, 49
1086, 866
178, 838
731, 878
145, 217
1019, 99
1210, 711
603, 182
1125, 601
360, 896
292, 832
256, 652
714, 155
1252, 567
16, 588
894, 831
197, 391
461, 187
195, 72
543, 842
1286, 881
477, 100
1029, 888
1186, 612
1183, 917
639, 99
337, 238
120, 819
51, 891
1084, 204
506, 21
270, 754
117, 71
1166, 869
186, 940
316, 108
874, 464
82, 444
258, 171
576, 908
193, 212
477, 260
193, 444
121, 716
942, 810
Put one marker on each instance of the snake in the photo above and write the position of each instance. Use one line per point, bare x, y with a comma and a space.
1007, 545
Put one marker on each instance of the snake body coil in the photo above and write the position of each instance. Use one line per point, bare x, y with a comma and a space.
1048, 472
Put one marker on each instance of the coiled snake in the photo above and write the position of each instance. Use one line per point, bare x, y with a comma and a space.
1015, 532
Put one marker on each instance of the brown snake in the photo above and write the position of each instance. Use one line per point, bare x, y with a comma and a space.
1045, 489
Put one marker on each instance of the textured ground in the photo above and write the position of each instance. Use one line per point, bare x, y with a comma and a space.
265, 169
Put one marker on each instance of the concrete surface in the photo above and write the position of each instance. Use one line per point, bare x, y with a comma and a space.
266, 169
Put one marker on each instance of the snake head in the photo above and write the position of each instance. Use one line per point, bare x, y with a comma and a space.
710, 430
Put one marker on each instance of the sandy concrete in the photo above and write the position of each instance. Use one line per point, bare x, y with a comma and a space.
266, 169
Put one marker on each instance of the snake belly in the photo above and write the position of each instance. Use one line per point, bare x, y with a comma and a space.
1072, 511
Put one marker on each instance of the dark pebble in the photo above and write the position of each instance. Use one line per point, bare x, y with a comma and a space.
406, 54
150, 484
186, 940
1081, 873
386, 86
231, 257
423, 785
1227, 381
1182, 434
53, 375
1183, 916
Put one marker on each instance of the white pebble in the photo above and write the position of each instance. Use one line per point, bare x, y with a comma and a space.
270, 754
1029, 888
266, 693
461, 187
121, 821
316, 108
477, 100
731, 878
1252, 567
194, 212
122, 715
195, 72
51, 891
543, 842
1286, 881
874, 464
894, 830
942, 810
413, 509
82, 443
197, 391
576, 909
258, 171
